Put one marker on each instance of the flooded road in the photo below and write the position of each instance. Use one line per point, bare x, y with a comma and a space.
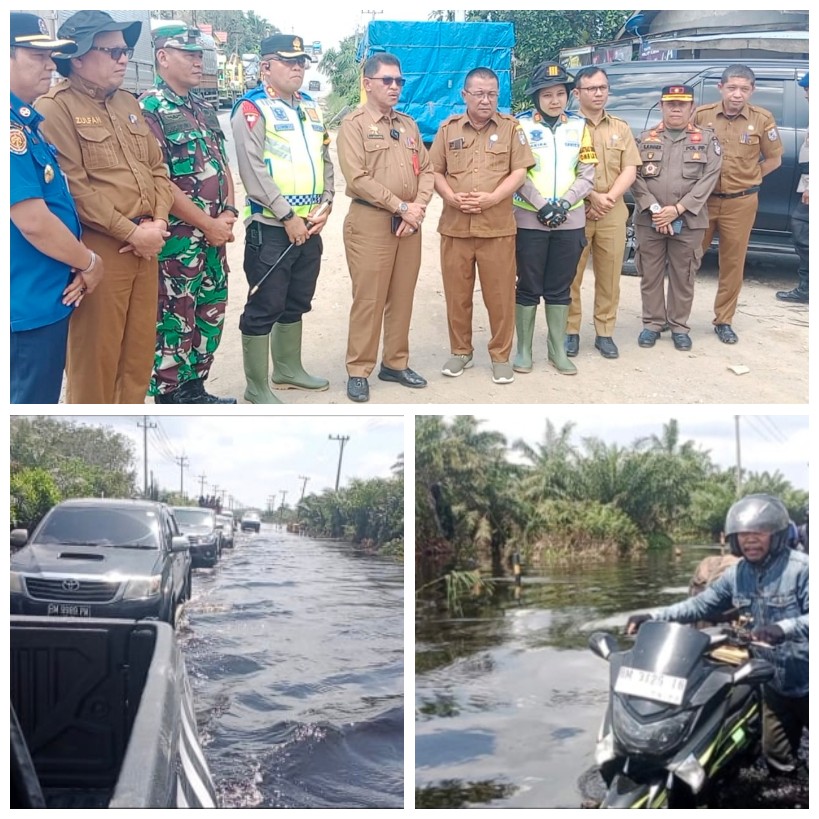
509, 698
294, 648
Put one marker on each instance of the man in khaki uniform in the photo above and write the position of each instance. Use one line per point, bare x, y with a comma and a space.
120, 185
746, 133
390, 180
681, 164
606, 212
480, 159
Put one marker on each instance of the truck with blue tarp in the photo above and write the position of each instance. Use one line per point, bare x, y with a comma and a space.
435, 59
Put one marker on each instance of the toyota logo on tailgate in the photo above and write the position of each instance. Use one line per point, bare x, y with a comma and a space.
71, 585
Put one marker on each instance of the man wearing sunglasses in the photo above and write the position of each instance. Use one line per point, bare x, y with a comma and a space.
390, 180
193, 264
282, 150
120, 185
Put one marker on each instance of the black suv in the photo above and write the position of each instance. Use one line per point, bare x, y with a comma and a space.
635, 97
102, 558
199, 525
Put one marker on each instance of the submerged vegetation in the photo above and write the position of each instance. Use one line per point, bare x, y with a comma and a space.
480, 500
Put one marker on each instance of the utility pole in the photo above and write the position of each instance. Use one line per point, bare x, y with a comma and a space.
303, 486
145, 426
342, 439
739, 460
271, 499
371, 12
202, 478
183, 462
281, 510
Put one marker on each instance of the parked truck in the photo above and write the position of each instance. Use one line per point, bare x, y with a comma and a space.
435, 59
102, 717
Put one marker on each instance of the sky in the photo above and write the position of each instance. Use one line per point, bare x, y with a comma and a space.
767, 442
253, 457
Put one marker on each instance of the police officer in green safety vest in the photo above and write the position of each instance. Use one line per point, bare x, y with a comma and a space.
550, 214
282, 150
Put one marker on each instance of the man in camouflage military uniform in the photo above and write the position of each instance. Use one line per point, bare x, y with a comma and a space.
193, 264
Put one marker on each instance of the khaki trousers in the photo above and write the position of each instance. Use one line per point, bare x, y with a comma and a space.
384, 270
112, 334
606, 242
681, 256
732, 219
495, 261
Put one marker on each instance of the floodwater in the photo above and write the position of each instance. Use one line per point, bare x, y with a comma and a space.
295, 652
509, 698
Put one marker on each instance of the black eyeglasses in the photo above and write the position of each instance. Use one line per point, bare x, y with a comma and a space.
399, 81
302, 61
116, 54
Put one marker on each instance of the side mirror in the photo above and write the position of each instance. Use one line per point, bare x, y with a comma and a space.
754, 672
19, 538
179, 543
602, 644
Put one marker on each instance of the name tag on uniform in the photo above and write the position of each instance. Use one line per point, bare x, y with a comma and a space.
456, 144
286, 127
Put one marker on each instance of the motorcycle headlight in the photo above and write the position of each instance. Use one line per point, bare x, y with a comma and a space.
658, 738
141, 587
16, 583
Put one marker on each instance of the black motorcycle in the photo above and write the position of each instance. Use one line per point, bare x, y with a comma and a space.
684, 711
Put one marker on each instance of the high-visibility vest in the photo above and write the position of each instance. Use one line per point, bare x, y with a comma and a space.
294, 141
556, 154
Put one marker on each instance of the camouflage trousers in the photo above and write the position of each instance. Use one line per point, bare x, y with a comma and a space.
192, 302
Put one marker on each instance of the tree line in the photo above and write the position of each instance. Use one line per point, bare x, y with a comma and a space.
479, 500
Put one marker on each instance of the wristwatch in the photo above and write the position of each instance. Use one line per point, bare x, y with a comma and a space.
288, 216
655, 208
230, 209
403, 208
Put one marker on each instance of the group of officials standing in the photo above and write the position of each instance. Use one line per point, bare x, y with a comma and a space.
135, 253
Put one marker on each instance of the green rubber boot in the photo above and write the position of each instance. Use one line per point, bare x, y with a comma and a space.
557, 317
288, 374
524, 329
255, 357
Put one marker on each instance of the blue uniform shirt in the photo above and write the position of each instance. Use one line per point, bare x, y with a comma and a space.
37, 280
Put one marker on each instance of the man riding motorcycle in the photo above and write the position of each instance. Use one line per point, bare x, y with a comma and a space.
769, 584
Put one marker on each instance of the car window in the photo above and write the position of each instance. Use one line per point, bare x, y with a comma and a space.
194, 516
768, 94
100, 527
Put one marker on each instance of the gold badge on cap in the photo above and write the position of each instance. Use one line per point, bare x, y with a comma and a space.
552, 71
19, 144
48, 174
297, 44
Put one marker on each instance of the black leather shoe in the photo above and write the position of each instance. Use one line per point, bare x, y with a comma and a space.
408, 377
795, 296
726, 334
648, 338
358, 389
572, 344
682, 341
607, 347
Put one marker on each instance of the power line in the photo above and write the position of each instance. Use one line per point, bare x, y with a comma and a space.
760, 430
771, 424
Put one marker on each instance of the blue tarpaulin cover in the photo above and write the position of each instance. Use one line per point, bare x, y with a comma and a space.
435, 59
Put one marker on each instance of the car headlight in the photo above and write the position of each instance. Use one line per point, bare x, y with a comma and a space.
656, 738
142, 587
16, 583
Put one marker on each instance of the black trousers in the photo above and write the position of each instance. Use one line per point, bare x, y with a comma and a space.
546, 264
783, 719
287, 292
799, 232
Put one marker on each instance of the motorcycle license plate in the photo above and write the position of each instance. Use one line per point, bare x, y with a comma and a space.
650, 685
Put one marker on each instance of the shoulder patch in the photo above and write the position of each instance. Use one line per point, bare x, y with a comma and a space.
251, 113
773, 135
19, 143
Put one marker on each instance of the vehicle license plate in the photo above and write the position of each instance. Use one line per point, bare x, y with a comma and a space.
68, 610
650, 685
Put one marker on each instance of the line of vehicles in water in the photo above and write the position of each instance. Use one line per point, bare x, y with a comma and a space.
101, 706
